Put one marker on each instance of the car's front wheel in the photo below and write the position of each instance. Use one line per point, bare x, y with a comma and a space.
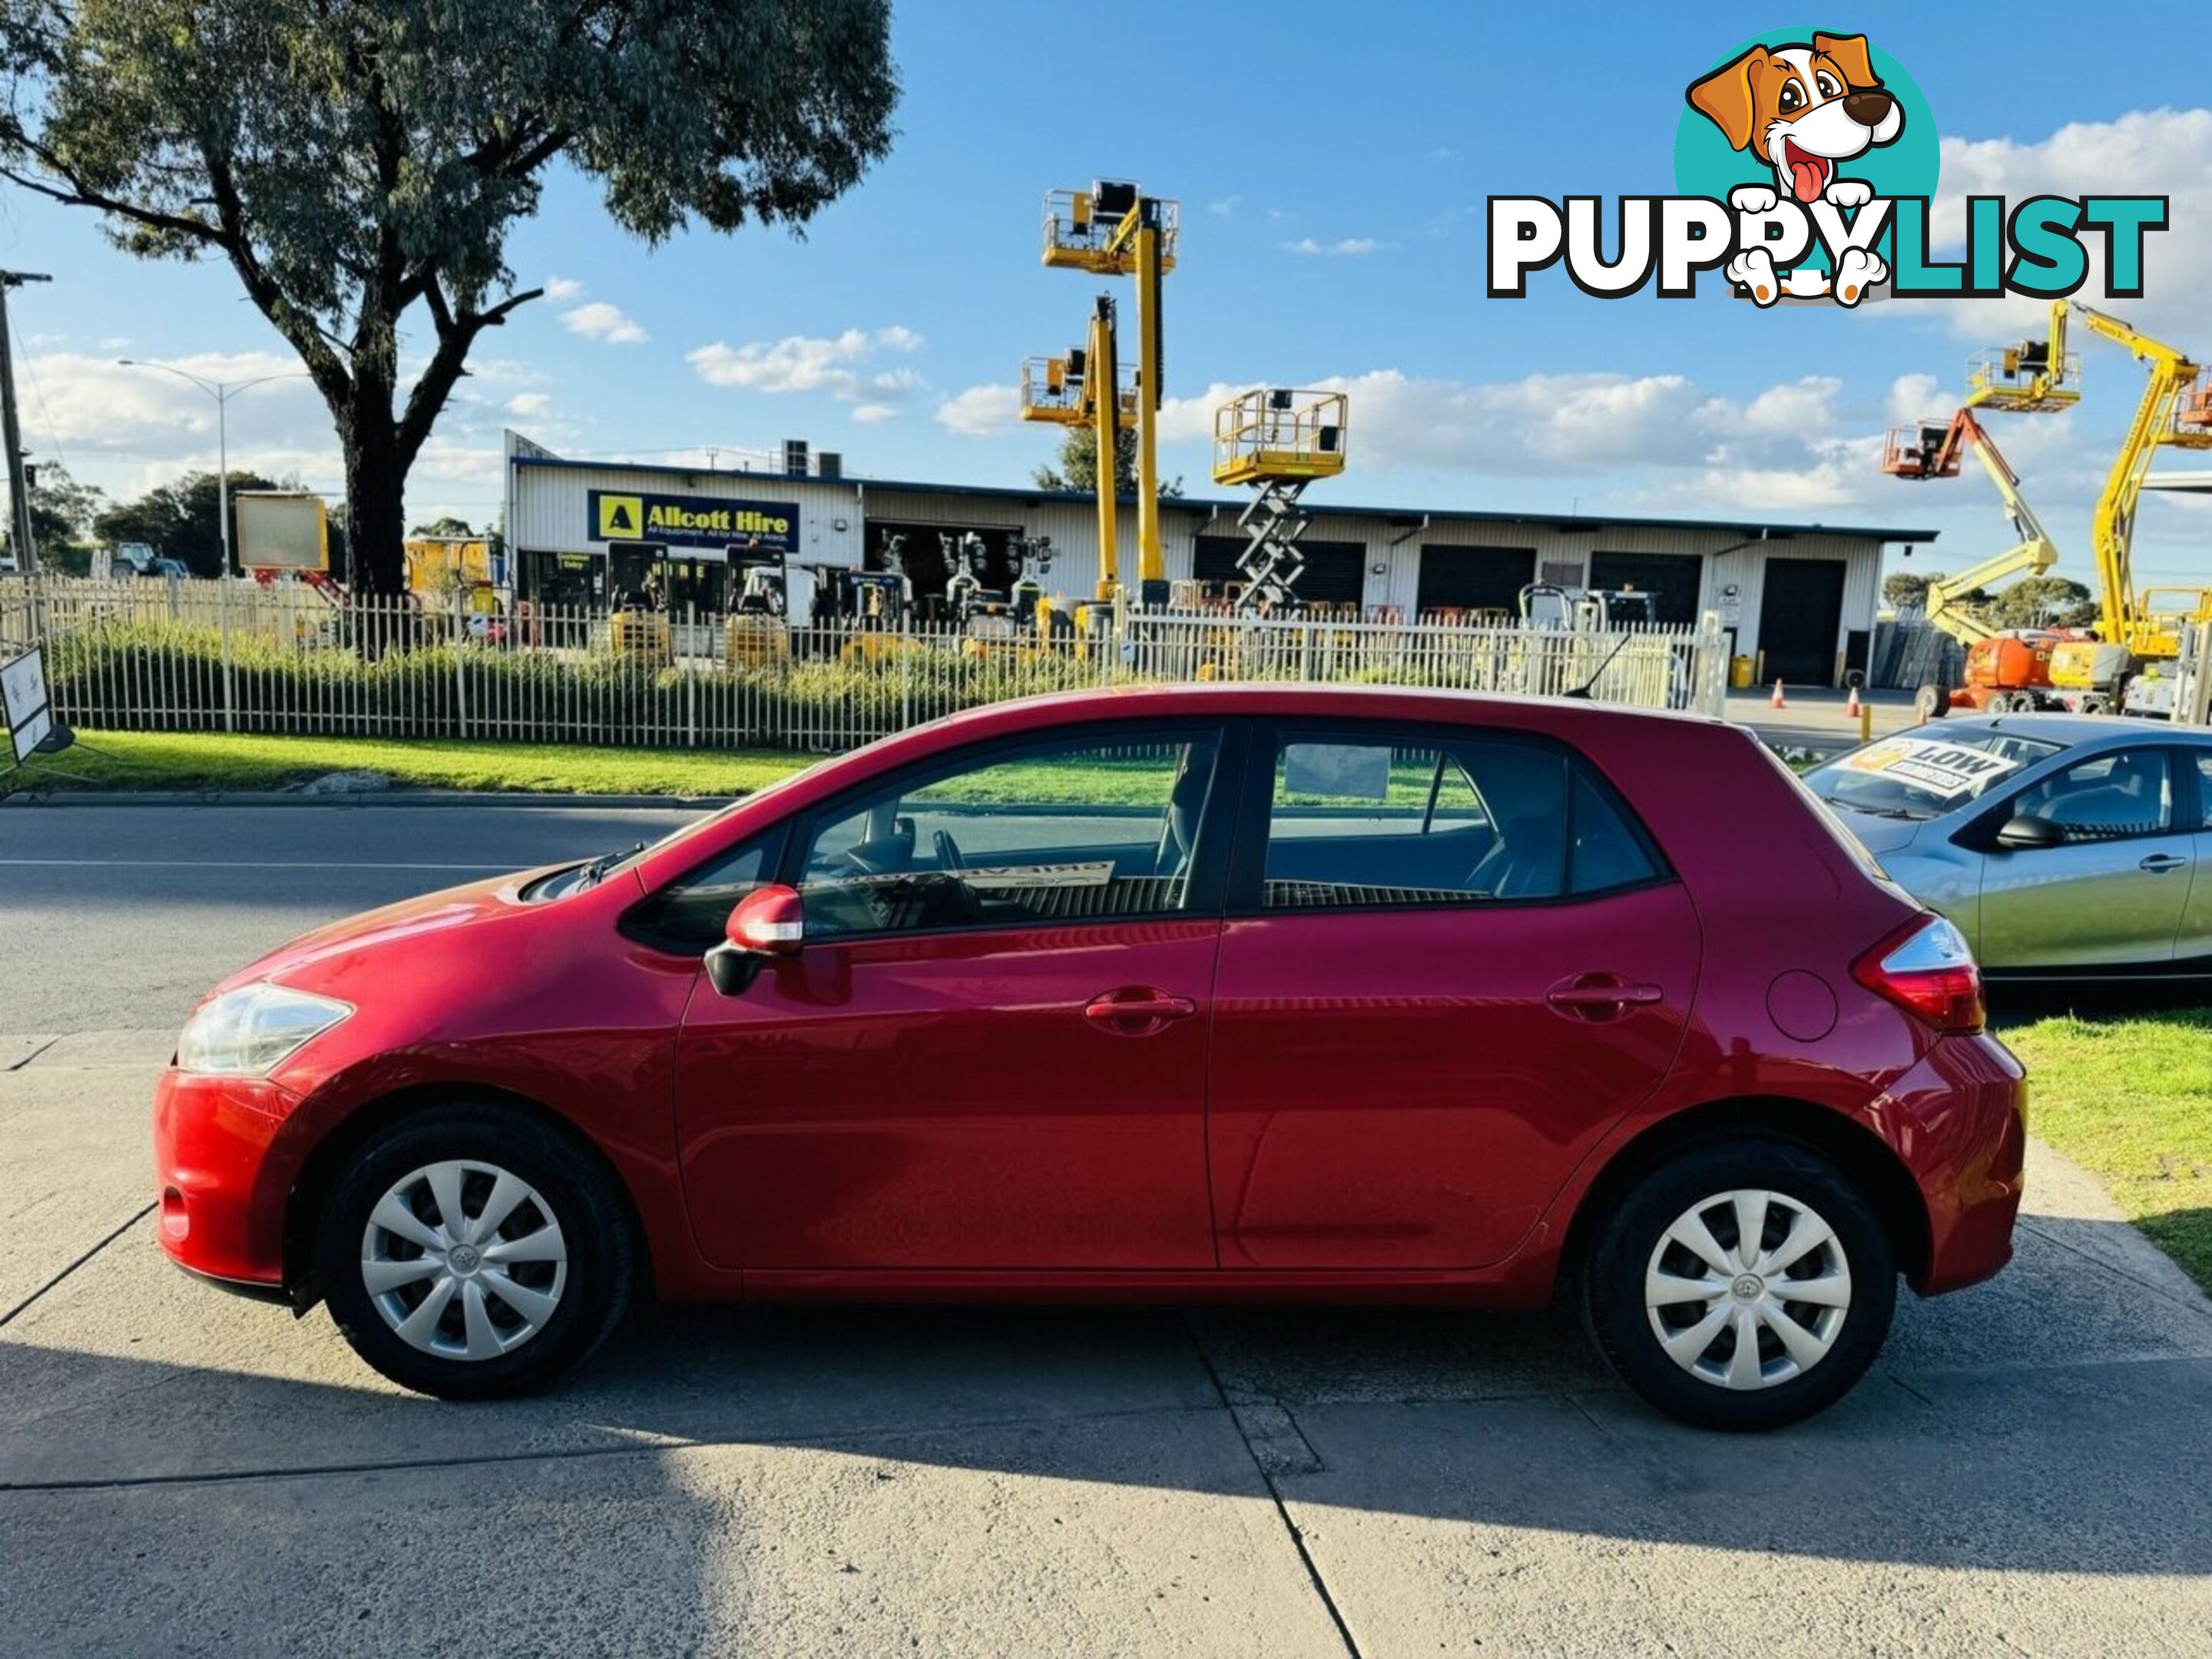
472, 1252
1746, 1284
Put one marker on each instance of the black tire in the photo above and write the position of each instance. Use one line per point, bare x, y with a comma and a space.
576, 1192
1930, 703
1613, 1282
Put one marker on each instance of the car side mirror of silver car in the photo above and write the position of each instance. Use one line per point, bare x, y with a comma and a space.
2029, 834
768, 922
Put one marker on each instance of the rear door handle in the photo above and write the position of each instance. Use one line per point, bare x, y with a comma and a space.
1593, 996
2158, 863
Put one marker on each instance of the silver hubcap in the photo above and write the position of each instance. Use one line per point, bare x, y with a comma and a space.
1747, 1289
464, 1260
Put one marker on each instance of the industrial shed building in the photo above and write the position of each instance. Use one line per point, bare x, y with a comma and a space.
1800, 598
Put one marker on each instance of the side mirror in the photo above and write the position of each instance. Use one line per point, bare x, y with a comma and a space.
2029, 834
768, 922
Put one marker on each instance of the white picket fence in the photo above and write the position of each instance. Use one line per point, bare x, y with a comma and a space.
186, 655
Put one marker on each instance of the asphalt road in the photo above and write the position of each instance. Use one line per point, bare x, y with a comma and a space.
2027, 1472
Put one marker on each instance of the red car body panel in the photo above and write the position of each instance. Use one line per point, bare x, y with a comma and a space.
1378, 1105
933, 1102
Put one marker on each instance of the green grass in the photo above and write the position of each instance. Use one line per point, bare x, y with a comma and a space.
2131, 1100
216, 760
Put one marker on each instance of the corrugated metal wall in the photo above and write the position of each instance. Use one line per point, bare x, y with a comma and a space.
550, 513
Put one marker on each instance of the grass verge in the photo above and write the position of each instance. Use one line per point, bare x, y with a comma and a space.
218, 760
2131, 1100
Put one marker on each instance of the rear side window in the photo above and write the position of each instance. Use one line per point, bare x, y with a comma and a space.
1607, 853
1358, 822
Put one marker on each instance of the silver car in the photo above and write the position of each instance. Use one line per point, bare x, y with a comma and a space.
2068, 847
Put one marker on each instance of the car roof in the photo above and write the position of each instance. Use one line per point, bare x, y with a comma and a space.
2068, 731
1304, 698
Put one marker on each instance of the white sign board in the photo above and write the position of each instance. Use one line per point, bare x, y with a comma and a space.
23, 695
281, 531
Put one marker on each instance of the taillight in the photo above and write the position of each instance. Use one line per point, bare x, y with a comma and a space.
1926, 968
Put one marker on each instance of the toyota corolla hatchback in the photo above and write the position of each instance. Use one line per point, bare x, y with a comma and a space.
1219, 993
2065, 846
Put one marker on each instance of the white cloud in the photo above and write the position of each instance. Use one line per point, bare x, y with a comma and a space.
1915, 397
563, 288
1661, 439
798, 362
875, 414
1351, 247
1443, 153
2162, 152
1799, 406
1225, 208
597, 321
980, 411
529, 404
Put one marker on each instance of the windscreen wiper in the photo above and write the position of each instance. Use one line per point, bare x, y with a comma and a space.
592, 874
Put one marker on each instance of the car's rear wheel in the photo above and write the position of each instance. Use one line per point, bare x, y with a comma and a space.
472, 1252
1745, 1284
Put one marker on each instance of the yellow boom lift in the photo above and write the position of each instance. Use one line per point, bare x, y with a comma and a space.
1115, 229
1072, 390
2006, 669
2129, 667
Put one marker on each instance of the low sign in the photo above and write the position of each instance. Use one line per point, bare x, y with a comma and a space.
1948, 769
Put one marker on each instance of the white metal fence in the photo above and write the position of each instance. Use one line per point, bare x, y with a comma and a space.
183, 655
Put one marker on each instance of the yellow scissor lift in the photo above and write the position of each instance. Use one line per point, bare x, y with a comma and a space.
1277, 441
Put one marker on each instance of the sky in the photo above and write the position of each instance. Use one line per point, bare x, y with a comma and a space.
1332, 169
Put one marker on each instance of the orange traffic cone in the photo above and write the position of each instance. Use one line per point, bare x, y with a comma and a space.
1778, 700
1851, 706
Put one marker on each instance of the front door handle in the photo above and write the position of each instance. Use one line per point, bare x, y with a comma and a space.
1601, 996
2158, 863
1137, 1010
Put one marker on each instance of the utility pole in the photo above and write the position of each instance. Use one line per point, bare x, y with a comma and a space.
19, 497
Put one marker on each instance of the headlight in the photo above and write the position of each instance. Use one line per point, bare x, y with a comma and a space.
248, 1032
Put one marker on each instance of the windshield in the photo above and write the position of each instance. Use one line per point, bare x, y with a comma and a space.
1920, 777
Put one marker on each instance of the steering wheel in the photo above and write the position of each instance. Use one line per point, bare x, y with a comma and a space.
949, 858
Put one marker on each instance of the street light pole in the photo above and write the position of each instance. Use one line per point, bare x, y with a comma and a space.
221, 391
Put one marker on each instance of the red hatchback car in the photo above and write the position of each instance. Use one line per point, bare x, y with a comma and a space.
1219, 993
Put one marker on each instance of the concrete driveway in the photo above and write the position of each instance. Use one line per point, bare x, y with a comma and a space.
2028, 1471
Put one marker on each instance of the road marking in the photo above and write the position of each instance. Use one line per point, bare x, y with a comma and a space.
233, 864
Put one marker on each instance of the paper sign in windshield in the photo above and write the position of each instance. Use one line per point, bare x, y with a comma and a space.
1948, 769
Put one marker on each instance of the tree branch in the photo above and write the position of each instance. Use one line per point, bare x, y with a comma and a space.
71, 192
456, 333
325, 367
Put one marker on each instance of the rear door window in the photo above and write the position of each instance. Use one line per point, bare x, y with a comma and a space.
1357, 820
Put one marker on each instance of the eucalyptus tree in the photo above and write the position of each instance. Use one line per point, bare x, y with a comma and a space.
360, 163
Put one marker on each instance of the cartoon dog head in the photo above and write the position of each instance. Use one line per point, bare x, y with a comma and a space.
1801, 108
